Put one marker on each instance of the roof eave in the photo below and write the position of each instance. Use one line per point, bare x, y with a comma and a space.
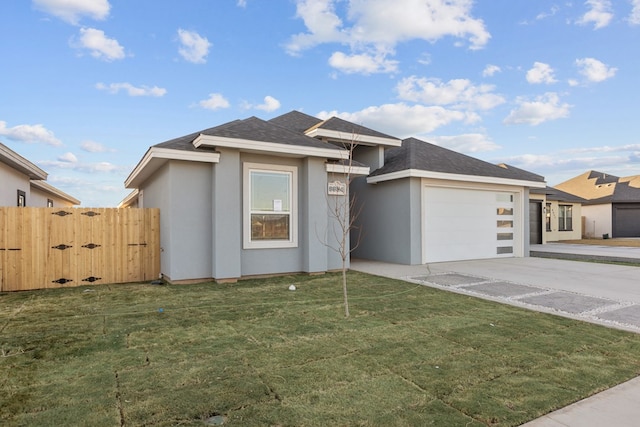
269, 147
347, 169
50, 189
353, 138
21, 164
417, 173
155, 157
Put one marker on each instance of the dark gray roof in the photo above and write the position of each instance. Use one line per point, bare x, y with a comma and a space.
253, 129
602, 178
421, 155
296, 121
348, 128
622, 193
558, 195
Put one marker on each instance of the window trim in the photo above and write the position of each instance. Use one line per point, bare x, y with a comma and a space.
246, 210
21, 195
562, 217
49, 203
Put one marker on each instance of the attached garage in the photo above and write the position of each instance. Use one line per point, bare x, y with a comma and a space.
626, 220
463, 223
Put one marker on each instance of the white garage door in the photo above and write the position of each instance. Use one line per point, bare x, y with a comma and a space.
462, 224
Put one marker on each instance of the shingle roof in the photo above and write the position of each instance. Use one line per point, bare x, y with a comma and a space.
558, 195
252, 129
348, 128
598, 187
296, 121
421, 155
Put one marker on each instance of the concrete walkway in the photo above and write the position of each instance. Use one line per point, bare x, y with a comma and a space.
599, 293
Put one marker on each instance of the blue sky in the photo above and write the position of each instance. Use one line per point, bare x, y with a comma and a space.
86, 86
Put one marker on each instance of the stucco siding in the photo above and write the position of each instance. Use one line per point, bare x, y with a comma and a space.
390, 221
598, 220
182, 191
12, 181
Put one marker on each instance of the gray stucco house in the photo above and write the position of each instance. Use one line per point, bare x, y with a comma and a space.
254, 197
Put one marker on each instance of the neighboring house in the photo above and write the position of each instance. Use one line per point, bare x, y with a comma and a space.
612, 206
254, 197
554, 216
24, 184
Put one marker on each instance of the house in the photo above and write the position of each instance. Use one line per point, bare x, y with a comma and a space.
554, 216
24, 184
612, 206
255, 197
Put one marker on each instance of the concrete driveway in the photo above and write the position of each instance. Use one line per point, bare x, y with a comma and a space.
600, 293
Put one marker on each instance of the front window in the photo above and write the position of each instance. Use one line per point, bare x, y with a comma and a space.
49, 203
22, 199
565, 219
270, 206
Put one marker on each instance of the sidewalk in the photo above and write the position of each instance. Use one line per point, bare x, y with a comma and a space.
600, 293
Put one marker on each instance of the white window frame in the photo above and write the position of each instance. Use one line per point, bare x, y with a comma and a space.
293, 215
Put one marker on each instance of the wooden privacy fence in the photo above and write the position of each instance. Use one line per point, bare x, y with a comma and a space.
56, 247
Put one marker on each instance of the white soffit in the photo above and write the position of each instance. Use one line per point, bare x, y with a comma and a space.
269, 147
417, 173
354, 137
156, 157
346, 169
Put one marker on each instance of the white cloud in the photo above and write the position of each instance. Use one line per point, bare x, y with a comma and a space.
599, 14
194, 48
379, 25
459, 93
242, 3
99, 45
66, 163
68, 157
270, 104
215, 102
490, 70
544, 108
132, 90
594, 70
94, 147
465, 143
605, 149
544, 15
29, 134
72, 10
402, 120
540, 73
634, 16
362, 63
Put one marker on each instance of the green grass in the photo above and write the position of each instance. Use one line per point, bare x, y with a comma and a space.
255, 353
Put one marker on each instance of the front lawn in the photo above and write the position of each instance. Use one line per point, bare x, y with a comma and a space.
256, 353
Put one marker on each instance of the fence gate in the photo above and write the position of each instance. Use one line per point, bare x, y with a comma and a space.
54, 247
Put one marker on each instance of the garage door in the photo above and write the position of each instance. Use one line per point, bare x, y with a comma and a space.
626, 220
462, 224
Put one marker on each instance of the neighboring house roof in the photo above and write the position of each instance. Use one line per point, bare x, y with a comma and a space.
19, 163
50, 189
558, 195
422, 159
598, 188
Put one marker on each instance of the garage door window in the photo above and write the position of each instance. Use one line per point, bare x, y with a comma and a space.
565, 219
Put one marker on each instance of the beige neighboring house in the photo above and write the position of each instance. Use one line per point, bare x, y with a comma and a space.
612, 205
24, 184
554, 216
